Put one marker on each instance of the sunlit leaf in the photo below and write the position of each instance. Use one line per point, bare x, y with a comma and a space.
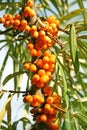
73, 48
4, 109
69, 124
9, 115
10, 76
72, 14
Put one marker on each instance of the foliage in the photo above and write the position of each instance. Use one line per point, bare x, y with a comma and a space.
69, 79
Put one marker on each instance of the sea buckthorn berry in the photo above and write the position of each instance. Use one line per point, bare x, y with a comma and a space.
39, 52
30, 46
41, 100
33, 52
7, 24
47, 53
41, 72
35, 34
46, 66
45, 59
29, 3
52, 111
28, 12
32, 111
47, 90
49, 74
9, 17
33, 68
35, 77
16, 22
39, 63
47, 108
28, 98
26, 65
50, 19
49, 100
17, 16
40, 110
54, 126
27, 28
23, 23
39, 84
44, 78
42, 33
43, 118
2, 20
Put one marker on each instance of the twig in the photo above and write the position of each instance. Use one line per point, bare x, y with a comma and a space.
63, 30
12, 91
56, 40
59, 108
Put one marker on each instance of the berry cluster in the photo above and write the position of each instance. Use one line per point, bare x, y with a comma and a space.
42, 64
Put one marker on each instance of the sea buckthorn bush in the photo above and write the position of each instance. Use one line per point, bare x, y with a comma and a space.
48, 64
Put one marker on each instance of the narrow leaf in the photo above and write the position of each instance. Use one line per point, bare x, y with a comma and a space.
4, 109
9, 115
69, 124
73, 42
10, 76
72, 14
65, 84
73, 48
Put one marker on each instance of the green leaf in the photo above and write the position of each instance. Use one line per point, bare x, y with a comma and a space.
65, 84
4, 109
72, 14
10, 76
73, 42
73, 48
69, 124
82, 118
4, 5
9, 116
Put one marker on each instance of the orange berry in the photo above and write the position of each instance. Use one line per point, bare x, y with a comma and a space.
45, 59
49, 100
30, 46
40, 110
44, 78
33, 52
43, 118
23, 23
33, 67
35, 34
47, 90
29, 3
35, 77
41, 99
39, 84
54, 126
28, 98
27, 28
16, 22
45, 66
39, 53
26, 65
52, 111
17, 16
2, 20
47, 53
42, 33
47, 108
9, 17
39, 63
41, 72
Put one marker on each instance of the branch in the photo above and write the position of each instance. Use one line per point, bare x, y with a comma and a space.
12, 91
59, 108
